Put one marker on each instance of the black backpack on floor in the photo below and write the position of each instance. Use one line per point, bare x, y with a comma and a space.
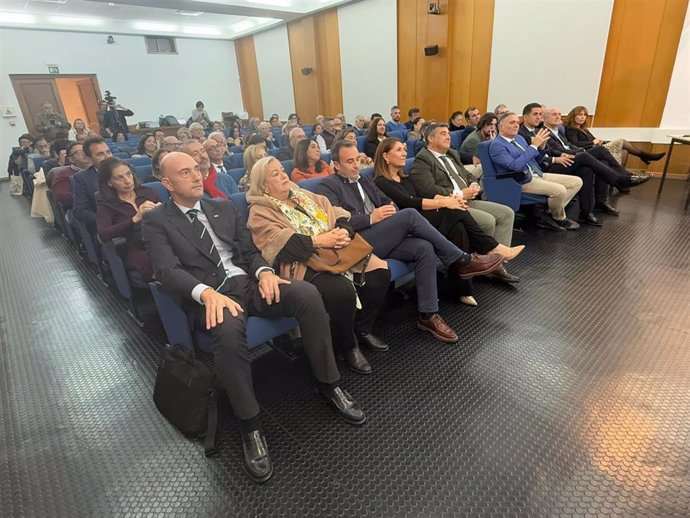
186, 393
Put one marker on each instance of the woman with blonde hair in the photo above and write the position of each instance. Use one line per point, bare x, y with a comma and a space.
252, 155
578, 134
288, 226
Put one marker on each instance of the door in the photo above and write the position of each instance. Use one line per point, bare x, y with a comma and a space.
89, 98
31, 93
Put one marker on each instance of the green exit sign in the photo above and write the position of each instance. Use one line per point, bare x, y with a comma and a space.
53, 69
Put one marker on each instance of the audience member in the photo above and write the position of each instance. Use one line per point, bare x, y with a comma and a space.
200, 115
500, 110
486, 130
58, 154
394, 124
377, 132
308, 163
197, 131
115, 118
159, 135
252, 155
288, 225
437, 170
184, 135
235, 138
329, 131
79, 127
171, 143
349, 134
217, 126
317, 130
147, 146
120, 206
59, 183
455, 121
119, 136
267, 134
472, 117
50, 124
40, 148
156, 165
275, 121
253, 124
219, 137
512, 156
579, 135
447, 213
196, 150
215, 155
86, 182
404, 235
412, 114
415, 132
295, 136
360, 125
219, 289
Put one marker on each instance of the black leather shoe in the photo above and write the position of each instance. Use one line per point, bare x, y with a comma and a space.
606, 208
590, 219
502, 274
257, 462
634, 181
568, 224
550, 223
357, 361
345, 405
373, 342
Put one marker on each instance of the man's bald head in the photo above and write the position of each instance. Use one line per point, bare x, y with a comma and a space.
172, 161
181, 175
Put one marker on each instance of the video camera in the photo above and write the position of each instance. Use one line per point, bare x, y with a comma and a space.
109, 98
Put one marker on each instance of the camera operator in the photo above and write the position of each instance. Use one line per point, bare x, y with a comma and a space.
49, 124
114, 118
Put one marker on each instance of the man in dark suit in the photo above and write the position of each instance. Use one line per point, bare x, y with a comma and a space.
86, 182
204, 256
513, 157
404, 235
296, 135
437, 170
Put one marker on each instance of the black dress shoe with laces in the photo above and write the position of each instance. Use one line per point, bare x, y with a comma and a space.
568, 224
357, 361
374, 343
345, 405
590, 219
606, 208
550, 223
257, 462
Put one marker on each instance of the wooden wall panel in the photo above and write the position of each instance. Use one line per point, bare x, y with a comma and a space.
638, 63
249, 76
328, 73
459, 75
301, 36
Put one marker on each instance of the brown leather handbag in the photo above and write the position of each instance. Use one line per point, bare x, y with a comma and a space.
343, 259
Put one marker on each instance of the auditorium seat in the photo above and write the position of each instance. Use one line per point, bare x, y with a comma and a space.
408, 165
125, 281
233, 161
121, 154
326, 157
399, 134
273, 151
455, 140
361, 141
143, 171
236, 150
226, 184
140, 160
236, 173
38, 162
503, 190
287, 165
163, 193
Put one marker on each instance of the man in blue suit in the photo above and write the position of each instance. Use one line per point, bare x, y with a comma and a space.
86, 182
513, 157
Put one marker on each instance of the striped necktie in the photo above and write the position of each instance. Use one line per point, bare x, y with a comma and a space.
206, 240
532, 166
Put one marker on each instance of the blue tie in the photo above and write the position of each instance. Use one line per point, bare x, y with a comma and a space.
532, 166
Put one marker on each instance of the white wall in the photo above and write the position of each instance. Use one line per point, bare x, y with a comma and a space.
150, 85
275, 75
535, 58
677, 110
368, 56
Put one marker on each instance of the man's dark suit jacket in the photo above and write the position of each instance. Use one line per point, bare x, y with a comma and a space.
429, 178
341, 193
465, 158
180, 262
83, 197
286, 153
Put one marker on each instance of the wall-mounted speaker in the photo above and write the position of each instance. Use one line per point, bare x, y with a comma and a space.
307, 71
431, 50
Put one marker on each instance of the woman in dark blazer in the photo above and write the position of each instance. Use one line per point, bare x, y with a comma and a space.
447, 213
120, 206
577, 133
377, 132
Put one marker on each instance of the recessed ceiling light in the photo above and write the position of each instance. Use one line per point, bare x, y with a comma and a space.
51, 1
71, 20
242, 26
17, 18
204, 31
154, 27
276, 3
188, 13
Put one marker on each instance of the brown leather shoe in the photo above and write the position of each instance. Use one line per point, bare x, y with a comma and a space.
480, 265
502, 274
438, 327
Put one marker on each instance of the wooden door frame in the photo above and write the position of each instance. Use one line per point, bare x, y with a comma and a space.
23, 106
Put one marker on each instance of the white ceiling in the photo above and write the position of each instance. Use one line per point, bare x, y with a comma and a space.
215, 19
